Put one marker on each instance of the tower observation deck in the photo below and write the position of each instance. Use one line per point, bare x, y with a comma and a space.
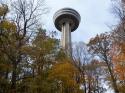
66, 20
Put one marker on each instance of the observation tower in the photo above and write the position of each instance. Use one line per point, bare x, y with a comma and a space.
66, 20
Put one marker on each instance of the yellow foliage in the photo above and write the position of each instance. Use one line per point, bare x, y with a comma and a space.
3, 9
9, 26
119, 62
64, 72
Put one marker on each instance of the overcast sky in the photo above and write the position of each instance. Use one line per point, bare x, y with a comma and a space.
95, 16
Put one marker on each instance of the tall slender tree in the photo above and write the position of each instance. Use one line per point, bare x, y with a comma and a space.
101, 45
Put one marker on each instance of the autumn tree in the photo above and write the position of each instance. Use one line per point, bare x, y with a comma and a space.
101, 46
7, 41
15, 34
26, 18
41, 54
64, 74
118, 37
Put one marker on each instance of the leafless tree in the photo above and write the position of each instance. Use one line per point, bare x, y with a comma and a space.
81, 58
27, 15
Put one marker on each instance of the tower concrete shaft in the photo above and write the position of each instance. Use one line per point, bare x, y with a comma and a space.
66, 38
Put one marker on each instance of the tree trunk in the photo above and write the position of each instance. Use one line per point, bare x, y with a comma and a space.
89, 87
84, 82
112, 76
6, 74
113, 81
13, 80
